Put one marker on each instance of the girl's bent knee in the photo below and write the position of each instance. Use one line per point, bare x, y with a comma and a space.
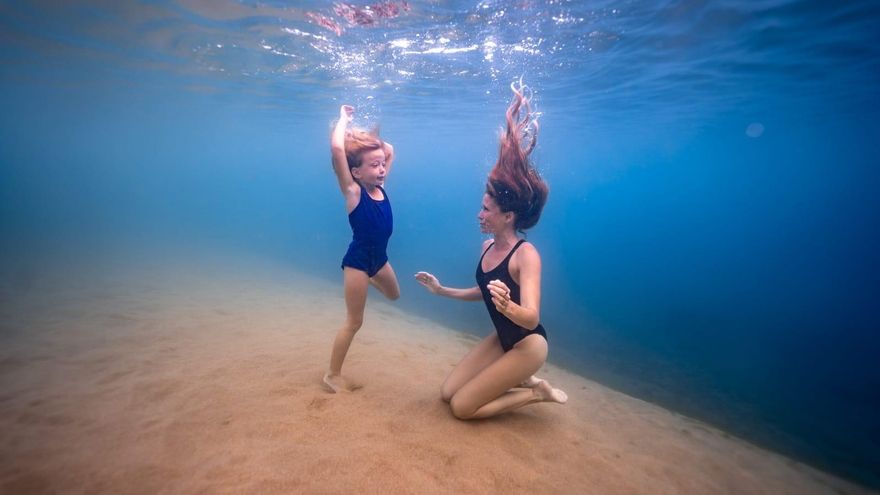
392, 293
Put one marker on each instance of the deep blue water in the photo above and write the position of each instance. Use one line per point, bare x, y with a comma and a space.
710, 242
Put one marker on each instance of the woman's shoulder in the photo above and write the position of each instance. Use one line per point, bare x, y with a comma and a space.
526, 252
525, 244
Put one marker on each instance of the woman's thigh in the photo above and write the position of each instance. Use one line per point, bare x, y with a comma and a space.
482, 355
506, 372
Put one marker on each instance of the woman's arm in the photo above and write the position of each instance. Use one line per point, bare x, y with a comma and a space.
337, 151
433, 285
527, 313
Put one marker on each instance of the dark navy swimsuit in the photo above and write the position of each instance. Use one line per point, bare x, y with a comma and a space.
371, 226
509, 333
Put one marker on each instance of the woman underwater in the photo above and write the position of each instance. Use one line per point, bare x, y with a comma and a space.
497, 375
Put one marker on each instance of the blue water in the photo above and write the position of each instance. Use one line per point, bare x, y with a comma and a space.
710, 242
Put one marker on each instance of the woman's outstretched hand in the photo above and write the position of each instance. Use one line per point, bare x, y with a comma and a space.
429, 281
500, 295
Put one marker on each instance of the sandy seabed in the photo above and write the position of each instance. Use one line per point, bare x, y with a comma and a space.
205, 377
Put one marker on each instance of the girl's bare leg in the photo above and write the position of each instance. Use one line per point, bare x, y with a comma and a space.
485, 353
488, 393
386, 281
356, 283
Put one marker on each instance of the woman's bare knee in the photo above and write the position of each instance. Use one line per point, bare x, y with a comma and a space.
446, 392
459, 409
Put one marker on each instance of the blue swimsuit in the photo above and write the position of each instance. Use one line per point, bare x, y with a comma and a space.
509, 333
371, 225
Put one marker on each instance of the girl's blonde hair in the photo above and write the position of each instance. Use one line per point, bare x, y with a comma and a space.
358, 142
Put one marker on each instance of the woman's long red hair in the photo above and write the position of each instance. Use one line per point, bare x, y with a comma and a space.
514, 183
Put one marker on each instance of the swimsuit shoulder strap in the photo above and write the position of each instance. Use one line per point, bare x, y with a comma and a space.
484, 253
384, 194
506, 258
510, 254
363, 190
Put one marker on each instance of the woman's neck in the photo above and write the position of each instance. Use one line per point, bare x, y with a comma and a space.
506, 239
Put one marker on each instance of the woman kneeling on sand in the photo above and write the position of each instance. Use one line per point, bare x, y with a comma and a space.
498, 374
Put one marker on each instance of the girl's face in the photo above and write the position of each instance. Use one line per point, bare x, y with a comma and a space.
371, 172
492, 219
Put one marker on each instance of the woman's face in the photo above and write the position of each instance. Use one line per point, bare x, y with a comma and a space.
492, 219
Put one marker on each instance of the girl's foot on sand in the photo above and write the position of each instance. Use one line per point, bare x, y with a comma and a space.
530, 382
339, 384
549, 394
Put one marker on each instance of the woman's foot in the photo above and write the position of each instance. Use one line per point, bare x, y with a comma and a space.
530, 382
549, 394
339, 384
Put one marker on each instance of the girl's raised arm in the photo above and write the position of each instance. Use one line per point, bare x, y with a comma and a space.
389, 156
337, 151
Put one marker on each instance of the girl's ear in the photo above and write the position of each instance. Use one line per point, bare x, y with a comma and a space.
508, 217
356, 172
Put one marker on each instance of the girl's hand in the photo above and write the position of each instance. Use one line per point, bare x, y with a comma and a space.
429, 281
346, 113
500, 295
